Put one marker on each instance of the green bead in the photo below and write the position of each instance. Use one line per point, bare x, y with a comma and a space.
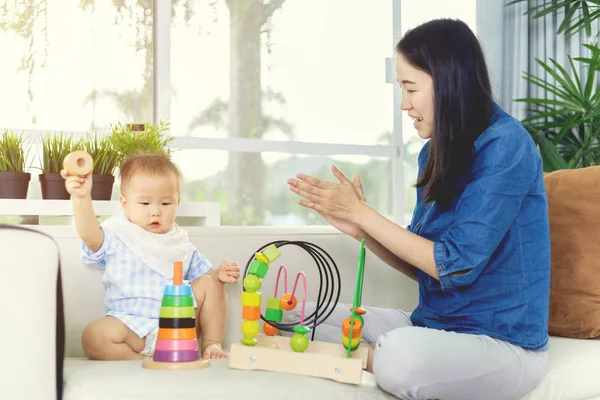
274, 315
361, 319
301, 329
252, 283
299, 342
273, 303
272, 253
250, 328
249, 341
258, 268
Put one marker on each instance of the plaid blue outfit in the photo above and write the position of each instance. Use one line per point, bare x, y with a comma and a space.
134, 291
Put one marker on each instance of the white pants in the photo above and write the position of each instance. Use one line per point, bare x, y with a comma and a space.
420, 363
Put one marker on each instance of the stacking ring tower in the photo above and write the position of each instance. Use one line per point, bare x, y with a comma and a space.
271, 351
177, 341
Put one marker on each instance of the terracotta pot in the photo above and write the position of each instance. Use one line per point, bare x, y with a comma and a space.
14, 185
102, 186
53, 187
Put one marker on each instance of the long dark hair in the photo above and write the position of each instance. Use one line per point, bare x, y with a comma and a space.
448, 50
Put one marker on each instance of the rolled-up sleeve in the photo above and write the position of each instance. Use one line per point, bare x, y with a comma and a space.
98, 258
505, 166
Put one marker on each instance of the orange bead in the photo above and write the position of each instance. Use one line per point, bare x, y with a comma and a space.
288, 302
355, 329
250, 313
269, 329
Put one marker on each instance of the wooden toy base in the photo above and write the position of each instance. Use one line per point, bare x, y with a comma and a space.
320, 359
149, 363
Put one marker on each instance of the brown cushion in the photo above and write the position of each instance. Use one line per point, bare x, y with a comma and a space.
574, 212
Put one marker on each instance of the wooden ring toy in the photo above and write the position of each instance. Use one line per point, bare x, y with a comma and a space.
78, 163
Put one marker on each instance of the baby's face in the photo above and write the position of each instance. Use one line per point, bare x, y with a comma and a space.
150, 201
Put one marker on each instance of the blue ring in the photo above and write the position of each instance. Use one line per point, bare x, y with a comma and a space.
178, 290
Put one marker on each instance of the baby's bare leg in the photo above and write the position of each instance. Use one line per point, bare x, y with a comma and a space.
211, 300
110, 339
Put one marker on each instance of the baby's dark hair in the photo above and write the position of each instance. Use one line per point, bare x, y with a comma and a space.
148, 163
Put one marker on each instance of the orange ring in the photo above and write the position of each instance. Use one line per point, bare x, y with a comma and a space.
355, 329
176, 334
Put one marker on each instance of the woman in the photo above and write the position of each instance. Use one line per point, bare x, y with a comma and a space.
478, 243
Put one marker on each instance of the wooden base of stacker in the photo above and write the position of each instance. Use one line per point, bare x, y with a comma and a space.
151, 364
320, 359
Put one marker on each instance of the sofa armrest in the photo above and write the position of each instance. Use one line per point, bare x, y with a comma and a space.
33, 331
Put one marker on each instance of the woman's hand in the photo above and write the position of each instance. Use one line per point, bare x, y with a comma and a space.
339, 203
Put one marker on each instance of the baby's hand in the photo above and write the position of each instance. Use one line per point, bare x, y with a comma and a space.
229, 272
77, 186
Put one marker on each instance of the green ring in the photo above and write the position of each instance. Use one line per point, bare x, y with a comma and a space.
177, 301
177, 312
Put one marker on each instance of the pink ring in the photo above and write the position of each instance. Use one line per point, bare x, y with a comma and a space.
176, 345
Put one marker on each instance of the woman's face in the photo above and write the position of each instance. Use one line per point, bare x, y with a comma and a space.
417, 96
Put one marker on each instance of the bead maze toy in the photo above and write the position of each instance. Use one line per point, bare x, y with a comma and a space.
298, 355
177, 343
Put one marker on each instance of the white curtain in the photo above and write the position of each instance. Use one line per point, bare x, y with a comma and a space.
524, 40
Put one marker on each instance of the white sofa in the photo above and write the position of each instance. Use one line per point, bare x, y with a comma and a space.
573, 364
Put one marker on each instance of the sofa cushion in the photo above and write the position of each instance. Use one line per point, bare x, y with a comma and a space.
572, 371
574, 212
103, 380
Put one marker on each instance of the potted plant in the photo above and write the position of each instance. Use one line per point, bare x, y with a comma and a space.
55, 148
106, 160
14, 181
132, 138
565, 120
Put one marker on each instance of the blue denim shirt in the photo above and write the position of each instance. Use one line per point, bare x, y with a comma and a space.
497, 235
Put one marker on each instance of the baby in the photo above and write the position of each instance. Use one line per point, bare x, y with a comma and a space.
136, 250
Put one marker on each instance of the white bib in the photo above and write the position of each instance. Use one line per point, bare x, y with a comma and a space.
157, 250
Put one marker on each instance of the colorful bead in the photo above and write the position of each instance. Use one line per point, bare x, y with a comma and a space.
301, 329
252, 283
273, 303
250, 313
355, 329
271, 253
251, 299
269, 329
288, 302
355, 342
273, 315
250, 328
258, 268
262, 258
299, 342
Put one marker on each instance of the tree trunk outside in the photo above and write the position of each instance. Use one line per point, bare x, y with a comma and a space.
246, 172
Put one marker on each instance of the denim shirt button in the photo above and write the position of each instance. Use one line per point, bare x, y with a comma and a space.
417, 226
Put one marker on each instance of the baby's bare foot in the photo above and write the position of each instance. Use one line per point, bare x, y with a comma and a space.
213, 351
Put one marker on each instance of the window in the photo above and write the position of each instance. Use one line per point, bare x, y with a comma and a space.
289, 72
75, 66
254, 91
